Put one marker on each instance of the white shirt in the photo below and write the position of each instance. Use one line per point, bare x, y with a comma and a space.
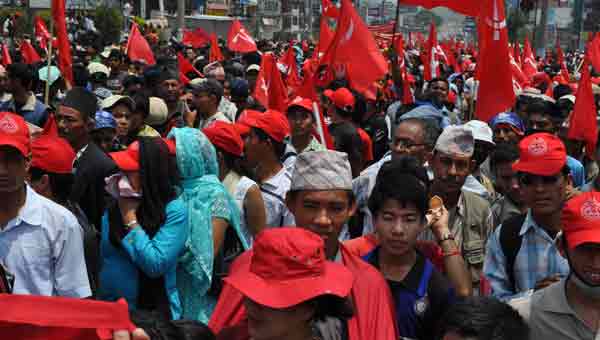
43, 248
238, 188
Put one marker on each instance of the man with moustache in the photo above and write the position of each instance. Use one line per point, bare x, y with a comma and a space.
471, 219
521, 254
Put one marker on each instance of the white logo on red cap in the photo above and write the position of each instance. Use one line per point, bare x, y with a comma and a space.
8, 125
538, 147
590, 210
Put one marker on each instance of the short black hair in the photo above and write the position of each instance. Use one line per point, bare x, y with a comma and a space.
561, 90
60, 184
22, 72
400, 173
278, 147
545, 108
210, 86
435, 80
483, 318
504, 153
347, 140
142, 103
431, 129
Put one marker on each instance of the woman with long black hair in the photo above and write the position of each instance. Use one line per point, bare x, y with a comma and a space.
144, 230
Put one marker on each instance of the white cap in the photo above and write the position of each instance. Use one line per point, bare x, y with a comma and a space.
481, 131
95, 67
253, 67
158, 112
111, 101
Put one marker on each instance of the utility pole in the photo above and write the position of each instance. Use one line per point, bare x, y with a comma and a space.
180, 17
541, 29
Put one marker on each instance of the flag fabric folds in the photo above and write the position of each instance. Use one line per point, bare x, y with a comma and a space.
582, 125
270, 90
65, 61
215, 52
138, 48
30, 55
239, 40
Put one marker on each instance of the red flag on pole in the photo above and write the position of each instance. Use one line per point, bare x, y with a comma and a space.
466, 7
215, 51
329, 9
428, 57
30, 55
41, 32
593, 52
496, 93
560, 56
517, 72
325, 37
529, 64
289, 62
186, 67
196, 38
138, 48
239, 40
62, 39
6, 59
270, 90
582, 125
354, 46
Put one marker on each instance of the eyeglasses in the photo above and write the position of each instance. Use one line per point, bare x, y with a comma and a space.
405, 143
527, 179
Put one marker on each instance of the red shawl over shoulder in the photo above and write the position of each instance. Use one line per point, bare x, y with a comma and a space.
374, 312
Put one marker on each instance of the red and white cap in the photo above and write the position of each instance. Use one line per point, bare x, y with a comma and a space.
14, 132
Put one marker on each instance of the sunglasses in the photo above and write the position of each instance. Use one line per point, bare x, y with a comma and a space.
527, 179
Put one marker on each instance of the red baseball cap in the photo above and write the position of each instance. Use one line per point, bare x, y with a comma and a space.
286, 267
224, 136
242, 125
14, 132
52, 154
304, 103
129, 159
272, 122
342, 98
581, 219
541, 154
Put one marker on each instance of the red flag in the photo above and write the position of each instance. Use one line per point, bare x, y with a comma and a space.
582, 125
239, 40
30, 55
496, 93
353, 46
517, 55
407, 96
6, 59
466, 7
593, 52
325, 37
138, 48
215, 51
196, 38
185, 66
428, 57
53, 318
41, 32
289, 62
560, 56
62, 40
529, 64
270, 90
329, 9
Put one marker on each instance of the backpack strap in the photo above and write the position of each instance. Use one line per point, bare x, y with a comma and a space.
510, 242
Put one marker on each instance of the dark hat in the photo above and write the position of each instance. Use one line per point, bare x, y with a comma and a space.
82, 100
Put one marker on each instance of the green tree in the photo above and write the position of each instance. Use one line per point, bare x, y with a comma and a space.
109, 23
516, 24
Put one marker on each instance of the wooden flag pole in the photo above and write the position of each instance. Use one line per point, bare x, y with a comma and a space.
49, 56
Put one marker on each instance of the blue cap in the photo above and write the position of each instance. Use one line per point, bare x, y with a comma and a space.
509, 118
105, 119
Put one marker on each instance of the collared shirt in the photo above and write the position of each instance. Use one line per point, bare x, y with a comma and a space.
273, 192
470, 234
537, 259
219, 116
33, 111
552, 317
291, 153
43, 248
504, 208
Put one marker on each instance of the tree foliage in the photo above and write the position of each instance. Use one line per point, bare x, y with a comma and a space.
109, 23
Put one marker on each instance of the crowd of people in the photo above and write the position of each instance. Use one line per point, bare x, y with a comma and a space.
349, 215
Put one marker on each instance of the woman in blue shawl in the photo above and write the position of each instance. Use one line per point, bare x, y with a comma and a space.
211, 211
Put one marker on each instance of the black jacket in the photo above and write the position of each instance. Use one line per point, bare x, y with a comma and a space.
88, 184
